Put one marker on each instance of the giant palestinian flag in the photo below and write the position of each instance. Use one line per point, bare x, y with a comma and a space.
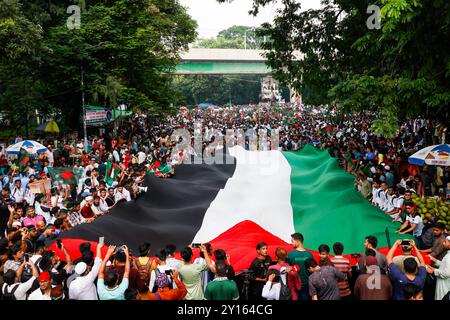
261, 196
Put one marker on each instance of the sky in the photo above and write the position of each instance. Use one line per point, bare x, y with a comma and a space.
213, 17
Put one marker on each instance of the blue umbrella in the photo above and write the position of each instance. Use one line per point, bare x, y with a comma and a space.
438, 155
31, 146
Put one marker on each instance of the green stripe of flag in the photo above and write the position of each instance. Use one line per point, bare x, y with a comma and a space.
326, 206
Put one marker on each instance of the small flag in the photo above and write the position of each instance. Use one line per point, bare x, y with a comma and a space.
65, 176
112, 170
24, 158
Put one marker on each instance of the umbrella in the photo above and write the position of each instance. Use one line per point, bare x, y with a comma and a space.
438, 155
31, 146
183, 109
49, 127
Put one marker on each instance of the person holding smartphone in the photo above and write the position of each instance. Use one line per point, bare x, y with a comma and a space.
13, 287
406, 246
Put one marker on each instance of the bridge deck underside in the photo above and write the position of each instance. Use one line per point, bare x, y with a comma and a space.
186, 68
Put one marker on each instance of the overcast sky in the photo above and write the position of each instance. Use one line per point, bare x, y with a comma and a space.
213, 17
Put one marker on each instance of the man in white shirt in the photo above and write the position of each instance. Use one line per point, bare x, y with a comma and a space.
442, 272
398, 200
17, 192
382, 196
122, 193
390, 199
12, 284
45, 288
271, 290
375, 189
83, 287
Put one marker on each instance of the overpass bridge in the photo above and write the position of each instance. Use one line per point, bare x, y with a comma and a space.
227, 61
223, 61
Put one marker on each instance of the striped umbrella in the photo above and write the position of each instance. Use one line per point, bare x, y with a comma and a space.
31, 146
438, 155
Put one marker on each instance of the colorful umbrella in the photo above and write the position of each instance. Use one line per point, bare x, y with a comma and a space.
438, 155
31, 146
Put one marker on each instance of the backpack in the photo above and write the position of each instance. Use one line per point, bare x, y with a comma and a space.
9, 295
160, 274
285, 291
144, 270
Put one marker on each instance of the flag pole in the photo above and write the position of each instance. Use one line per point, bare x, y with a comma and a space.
388, 238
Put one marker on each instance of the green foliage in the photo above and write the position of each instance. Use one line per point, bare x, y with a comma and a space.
403, 67
215, 89
234, 38
123, 47
220, 43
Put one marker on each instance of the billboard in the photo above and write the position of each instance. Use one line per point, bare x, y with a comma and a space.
98, 116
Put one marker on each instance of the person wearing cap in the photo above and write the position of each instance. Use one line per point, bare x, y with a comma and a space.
442, 272
372, 285
74, 217
109, 286
83, 287
45, 288
87, 212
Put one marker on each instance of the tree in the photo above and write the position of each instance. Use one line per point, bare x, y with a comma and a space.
403, 67
234, 38
124, 49
217, 89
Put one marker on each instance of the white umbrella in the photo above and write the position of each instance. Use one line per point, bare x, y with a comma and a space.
438, 155
32, 147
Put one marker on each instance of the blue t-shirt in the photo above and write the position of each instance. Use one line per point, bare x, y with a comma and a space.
399, 280
117, 293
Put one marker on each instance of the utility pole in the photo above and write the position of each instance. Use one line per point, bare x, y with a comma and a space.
84, 110
230, 92
82, 96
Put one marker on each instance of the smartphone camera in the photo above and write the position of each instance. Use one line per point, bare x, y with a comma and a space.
59, 243
406, 243
196, 245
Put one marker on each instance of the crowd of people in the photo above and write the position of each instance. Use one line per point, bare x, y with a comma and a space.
113, 168
39, 274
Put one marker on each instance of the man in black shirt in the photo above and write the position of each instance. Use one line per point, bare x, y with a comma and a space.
110, 200
259, 267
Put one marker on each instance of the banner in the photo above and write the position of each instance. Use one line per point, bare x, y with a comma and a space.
98, 116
